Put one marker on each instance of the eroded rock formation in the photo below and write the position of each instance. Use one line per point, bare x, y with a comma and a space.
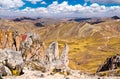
53, 61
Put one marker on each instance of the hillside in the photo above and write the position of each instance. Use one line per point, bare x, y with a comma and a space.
89, 44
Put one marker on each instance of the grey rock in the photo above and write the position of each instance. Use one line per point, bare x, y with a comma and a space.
2, 70
9, 73
3, 55
64, 56
14, 57
9, 60
52, 53
35, 36
59, 63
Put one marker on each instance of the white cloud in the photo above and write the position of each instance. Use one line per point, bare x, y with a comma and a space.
7, 4
43, 2
66, 10
104, 1
34, 1
95, 5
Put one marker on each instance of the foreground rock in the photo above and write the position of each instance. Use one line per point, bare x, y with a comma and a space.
39, 75
10, 60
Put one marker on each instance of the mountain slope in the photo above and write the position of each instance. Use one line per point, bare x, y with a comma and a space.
89, 44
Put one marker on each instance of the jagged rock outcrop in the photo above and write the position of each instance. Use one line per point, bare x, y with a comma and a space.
52, 52
18, 49
27, 51
49, 60
35, 52
110, 64
53, 61
63, 61
10, 39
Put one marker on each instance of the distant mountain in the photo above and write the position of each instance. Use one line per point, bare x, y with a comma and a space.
89, 20
38, 21
93, 20
48, 21
23, 18
115, 17
80, 19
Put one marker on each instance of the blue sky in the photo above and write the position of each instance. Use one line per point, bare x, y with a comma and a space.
60, 8
70, 2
